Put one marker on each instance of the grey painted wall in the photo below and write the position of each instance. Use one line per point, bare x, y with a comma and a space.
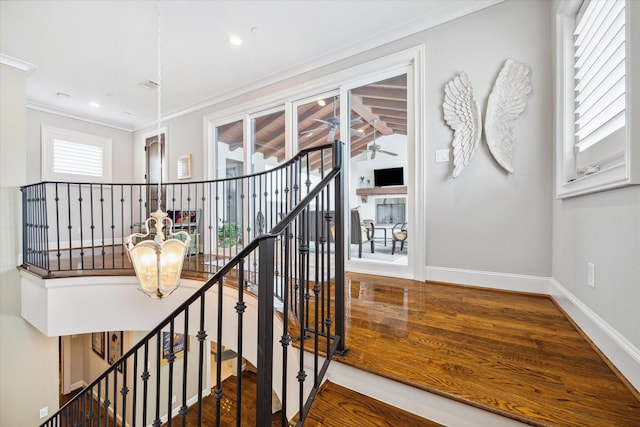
603, 229
121, 143
29, 360
486, 219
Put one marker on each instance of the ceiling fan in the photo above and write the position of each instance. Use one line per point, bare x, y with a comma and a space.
333, 124
375, 148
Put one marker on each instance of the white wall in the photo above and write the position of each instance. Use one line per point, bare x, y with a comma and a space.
29, 360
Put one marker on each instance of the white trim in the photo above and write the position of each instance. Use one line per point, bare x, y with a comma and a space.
620, 351
49, 134
489, 279
628, 173
17, 63
416, 401
51, 110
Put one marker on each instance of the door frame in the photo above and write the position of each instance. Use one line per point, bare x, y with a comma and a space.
415, 268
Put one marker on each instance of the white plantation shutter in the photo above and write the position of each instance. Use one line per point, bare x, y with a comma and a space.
600, 85
75, 157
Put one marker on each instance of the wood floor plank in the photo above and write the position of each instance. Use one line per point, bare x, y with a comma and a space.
514, 354
337, 406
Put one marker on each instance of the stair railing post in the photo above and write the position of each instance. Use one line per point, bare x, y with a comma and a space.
339, 245
265, 332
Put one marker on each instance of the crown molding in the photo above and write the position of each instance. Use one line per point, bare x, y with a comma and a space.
17, 63
449, 12
48, 109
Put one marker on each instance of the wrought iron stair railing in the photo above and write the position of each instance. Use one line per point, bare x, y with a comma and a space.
278, 303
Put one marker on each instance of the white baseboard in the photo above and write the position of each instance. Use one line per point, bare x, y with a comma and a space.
489, 279
622, 353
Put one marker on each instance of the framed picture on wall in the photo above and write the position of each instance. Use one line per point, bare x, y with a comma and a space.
115, 346
97, 343
179, 344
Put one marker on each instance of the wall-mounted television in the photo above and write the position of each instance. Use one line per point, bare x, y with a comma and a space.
388, 177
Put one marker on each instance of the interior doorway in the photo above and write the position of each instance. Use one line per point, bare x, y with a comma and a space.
155, 158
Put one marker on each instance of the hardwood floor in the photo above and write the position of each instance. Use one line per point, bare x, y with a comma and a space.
337, 406
513, 354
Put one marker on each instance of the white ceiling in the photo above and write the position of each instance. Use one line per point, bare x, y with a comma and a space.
98, 51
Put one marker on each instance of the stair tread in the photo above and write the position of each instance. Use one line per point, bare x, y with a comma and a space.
339, 406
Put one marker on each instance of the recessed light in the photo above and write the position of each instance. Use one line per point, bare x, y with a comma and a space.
94, 104
235, 40
322, 102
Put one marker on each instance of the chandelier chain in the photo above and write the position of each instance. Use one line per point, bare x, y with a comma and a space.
159, 101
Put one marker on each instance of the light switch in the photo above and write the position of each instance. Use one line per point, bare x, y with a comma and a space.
442, 156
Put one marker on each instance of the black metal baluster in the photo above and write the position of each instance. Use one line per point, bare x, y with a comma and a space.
115, 396
93, 242
81, 226
134, 398
286, 338
184, 409
202, 336
125, 390
217, 394
339, 247
145, 386
103, 252
171, 357
240, 309
113, 229
157, 422
122, 254
69, 227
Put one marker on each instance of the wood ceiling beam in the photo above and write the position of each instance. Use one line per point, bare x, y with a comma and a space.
367, 115
381, 93
400, 114
385, 103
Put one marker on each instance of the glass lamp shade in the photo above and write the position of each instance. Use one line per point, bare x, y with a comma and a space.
158, 262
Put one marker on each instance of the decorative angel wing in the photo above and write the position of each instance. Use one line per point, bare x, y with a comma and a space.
462, 114
506, 102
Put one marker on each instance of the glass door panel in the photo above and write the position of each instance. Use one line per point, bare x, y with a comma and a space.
379, 167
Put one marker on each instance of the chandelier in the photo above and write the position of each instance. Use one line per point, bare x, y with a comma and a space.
157, 262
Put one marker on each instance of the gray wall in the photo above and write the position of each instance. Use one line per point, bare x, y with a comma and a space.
486, 219
29, 360
603, 229
121, 143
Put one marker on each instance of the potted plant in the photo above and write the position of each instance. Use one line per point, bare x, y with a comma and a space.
228, 234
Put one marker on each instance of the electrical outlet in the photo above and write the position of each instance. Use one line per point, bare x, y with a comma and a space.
442, 156
44, 412
173, 399
591, 274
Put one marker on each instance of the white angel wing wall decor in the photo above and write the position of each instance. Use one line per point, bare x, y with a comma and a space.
506, 102
462, 114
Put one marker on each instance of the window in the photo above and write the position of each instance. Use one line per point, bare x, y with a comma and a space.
593, 138
76, 157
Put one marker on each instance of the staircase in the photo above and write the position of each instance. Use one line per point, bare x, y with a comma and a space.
272, 281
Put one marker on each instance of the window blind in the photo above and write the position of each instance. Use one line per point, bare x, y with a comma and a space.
600, 83
77, 159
